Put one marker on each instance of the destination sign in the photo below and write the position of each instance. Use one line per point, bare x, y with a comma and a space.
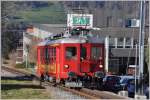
80, 20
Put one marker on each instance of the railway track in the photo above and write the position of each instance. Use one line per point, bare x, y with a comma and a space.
74, 91
12, 70
15, 71
86, 93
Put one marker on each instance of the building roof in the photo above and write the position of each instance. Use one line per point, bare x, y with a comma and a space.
108, 31
46, 30
120, 32
53, 28
123, 52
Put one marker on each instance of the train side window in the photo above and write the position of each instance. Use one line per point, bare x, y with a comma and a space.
96, 53
46, 55
54, 54
42, 58
83, 52
51, 56
71, 53
49, 50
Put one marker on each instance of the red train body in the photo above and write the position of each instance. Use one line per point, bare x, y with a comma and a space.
59, 57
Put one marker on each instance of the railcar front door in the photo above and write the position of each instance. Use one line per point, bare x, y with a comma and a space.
71, 56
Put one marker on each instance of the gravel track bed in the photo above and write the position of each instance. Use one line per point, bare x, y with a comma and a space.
57, 93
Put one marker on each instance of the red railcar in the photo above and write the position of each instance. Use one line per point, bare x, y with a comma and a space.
57, 58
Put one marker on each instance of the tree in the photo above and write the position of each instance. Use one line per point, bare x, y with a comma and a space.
9, 10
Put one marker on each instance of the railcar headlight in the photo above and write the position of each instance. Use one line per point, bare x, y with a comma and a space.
101, 66
66, 66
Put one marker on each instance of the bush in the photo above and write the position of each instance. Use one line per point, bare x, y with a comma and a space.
5, 62
6, 57
31, 64
22, 65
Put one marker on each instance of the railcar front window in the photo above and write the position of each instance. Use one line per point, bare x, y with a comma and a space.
71, 52
83, 52
95, 53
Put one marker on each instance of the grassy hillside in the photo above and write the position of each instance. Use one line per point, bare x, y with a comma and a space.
50, 14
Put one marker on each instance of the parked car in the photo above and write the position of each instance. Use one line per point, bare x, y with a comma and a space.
131, 86
124, 80
146, 91
111, 83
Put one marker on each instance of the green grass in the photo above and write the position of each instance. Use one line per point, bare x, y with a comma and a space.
30, 68
21, 90
13, 82
24, 93
53, 14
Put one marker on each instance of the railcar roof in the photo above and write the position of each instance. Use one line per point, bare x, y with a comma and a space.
64, 40
70, 40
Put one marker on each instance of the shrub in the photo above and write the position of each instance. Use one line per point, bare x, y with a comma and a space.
31, 64
22, 65
6, 56
5, 62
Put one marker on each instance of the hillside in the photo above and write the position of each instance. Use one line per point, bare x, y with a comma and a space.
49, 14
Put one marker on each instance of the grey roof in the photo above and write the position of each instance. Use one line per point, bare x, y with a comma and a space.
120, 32
51, 25
108, 31
53, 28
123, 52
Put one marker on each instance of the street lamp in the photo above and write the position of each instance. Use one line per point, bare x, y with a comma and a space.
141, 51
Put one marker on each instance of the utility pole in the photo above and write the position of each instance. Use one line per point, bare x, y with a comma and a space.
106, 53
25, 51
141, 49
149, 54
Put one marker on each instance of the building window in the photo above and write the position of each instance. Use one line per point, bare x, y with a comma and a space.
135, 43
71, 53
128, 42
120, 42
112, 42
109, 21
